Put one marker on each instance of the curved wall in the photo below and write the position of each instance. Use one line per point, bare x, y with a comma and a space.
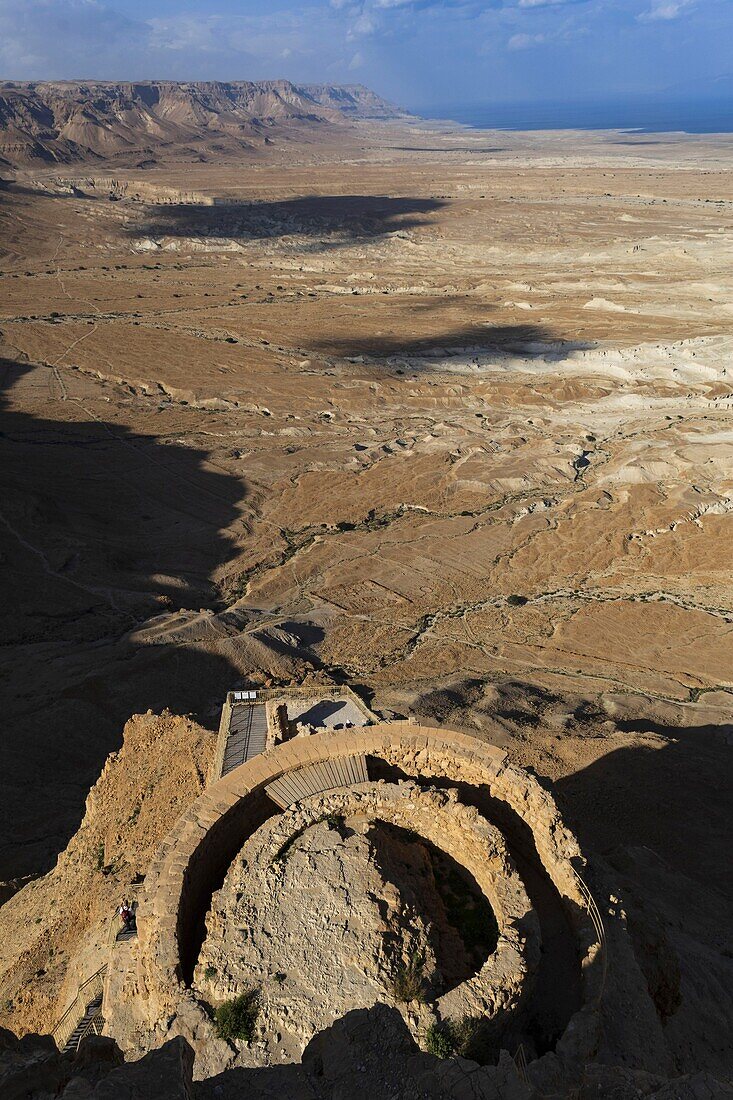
193, 860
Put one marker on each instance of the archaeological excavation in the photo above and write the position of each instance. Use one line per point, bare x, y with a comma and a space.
240, 898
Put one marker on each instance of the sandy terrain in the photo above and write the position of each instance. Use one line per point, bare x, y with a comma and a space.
446, 414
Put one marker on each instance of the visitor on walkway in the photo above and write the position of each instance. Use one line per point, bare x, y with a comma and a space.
126, 915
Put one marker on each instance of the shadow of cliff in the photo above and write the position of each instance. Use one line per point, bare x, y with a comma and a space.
101, 528
345, 218
675, 799
367, 1054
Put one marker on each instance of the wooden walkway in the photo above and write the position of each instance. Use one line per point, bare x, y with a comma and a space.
247, 735
341, 771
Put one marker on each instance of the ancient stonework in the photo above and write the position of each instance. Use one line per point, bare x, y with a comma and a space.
490, 814
308, 915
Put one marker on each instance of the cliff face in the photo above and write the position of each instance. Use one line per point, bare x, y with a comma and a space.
60, 121
57, 929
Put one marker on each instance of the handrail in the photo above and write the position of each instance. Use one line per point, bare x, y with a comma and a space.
87, 992
520, 1055
600, 930
92, 1027
520, 1061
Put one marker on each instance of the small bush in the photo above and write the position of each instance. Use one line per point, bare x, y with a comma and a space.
467, 1034
100, 855
236, 1019
439, 1041
210, 973
516, 601
462, 1038
409, 983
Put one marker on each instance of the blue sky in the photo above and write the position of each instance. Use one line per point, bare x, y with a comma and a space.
413, 51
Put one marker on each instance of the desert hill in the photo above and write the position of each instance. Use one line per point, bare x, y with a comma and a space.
66, 121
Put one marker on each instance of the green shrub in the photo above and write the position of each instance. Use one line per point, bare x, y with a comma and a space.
439, 1041
236, 1019
457, 1039
467, 1035
210, 973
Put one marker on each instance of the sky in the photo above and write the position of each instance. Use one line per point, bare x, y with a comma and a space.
414, 52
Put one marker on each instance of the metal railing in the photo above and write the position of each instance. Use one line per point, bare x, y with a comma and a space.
88, 992
520, 1061
520, 1055
595, 915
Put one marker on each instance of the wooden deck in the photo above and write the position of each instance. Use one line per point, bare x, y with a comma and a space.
342, 771
247, 735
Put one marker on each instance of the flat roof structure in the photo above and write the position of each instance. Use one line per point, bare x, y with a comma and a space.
256, 719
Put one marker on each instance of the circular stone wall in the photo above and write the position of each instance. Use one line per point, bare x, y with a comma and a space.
194, 858
262, 926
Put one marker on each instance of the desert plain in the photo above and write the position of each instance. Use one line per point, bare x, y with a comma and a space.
444, 414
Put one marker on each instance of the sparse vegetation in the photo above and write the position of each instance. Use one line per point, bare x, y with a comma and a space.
410, 983
236, 1019
457, 1039
438, 1041
466, 910
100, 856
210, 973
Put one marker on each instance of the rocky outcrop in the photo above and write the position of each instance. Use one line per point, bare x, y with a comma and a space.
55, 932
334, 904
194, 858
366, 1055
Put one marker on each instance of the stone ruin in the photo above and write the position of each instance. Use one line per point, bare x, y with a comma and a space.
321, 911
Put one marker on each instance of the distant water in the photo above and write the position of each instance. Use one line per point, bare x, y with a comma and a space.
647, 116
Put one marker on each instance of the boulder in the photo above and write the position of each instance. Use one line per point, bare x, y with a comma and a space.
163, 1074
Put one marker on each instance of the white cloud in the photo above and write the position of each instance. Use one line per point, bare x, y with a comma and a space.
364, 24
665, 10
56, 38
548, 3
73, 39
525, 41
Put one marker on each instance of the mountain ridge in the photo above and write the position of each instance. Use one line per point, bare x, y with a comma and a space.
66, 121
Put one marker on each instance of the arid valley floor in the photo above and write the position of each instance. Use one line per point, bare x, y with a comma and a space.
445, 414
